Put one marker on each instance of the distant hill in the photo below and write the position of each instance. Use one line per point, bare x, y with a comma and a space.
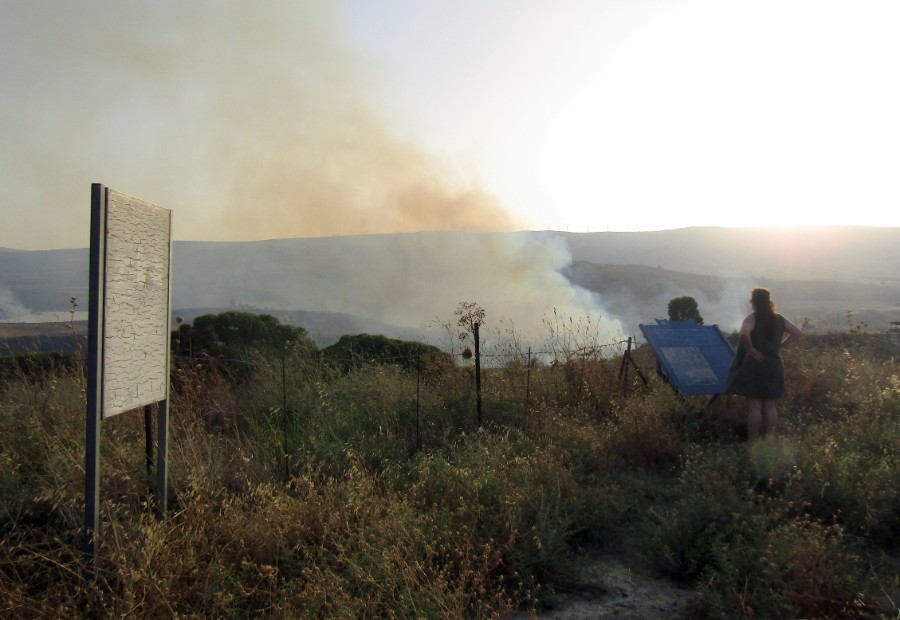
826, 253
405, 284
41, 281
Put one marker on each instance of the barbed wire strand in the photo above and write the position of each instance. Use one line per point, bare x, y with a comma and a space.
362, 358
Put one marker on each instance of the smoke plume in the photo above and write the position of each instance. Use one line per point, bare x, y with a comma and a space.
256, 121
249, 120
412, 281
12, 310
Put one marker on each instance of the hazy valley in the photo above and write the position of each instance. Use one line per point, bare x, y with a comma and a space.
403, 285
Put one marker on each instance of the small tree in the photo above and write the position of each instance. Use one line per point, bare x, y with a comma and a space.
470, 317
683, 309
470, 314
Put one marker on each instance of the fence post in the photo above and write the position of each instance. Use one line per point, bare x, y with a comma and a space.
477, 374
284, 410
623, 369
418, 383
528, 381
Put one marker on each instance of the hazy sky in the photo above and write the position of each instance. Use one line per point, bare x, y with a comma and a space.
294, 118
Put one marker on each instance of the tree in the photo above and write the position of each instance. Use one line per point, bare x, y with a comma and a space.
470, 317
683, 309
236, 337
470, 314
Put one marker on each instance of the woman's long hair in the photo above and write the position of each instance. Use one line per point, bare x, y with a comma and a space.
764, 308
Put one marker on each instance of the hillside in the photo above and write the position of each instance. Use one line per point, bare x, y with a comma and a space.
403, 283
827, 253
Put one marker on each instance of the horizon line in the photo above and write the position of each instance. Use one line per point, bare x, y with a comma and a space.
772, 229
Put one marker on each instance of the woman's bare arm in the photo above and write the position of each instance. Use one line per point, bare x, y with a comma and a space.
794, 334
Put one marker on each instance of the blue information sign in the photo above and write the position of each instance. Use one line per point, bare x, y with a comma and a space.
695, 358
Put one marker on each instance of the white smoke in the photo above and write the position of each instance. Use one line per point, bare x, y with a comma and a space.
12, 310
516, 277
411, 281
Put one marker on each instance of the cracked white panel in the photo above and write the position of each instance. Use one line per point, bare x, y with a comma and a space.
135, 355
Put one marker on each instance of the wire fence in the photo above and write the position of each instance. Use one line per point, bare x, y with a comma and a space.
403, 400
41, 382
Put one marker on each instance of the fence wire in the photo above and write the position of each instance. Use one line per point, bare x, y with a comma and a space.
260, 362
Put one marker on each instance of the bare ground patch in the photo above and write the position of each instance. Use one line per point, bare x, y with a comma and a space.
615, 587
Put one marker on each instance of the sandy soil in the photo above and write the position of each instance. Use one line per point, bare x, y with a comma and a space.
611, 588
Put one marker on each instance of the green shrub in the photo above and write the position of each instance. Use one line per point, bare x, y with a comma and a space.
704, 509
796, 569
351, 352
513, 493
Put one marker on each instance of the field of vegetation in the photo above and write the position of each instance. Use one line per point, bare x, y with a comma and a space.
358, 481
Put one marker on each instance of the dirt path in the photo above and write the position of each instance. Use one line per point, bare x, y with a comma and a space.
610, 588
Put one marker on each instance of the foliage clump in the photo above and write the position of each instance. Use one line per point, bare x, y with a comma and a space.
684, 309
229, 334
356, 351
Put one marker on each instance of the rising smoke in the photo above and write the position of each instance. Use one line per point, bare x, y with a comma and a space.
250, 120
12, 310
255, 121
413, 281
516, 278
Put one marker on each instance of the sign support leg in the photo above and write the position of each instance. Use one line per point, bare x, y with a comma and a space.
162, 459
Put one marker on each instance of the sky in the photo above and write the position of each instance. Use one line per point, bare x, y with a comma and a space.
282, 118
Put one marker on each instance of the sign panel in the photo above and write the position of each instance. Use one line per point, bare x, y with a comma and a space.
695, 358
136, 304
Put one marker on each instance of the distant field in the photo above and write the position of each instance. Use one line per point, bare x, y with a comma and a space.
41, 337
19, 330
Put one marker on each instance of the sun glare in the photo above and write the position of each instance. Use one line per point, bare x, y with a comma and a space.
710, 114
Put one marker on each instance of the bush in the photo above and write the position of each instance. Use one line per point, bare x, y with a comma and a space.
351, 352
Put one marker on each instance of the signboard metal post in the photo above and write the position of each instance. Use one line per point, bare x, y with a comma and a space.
94, 385
162, 459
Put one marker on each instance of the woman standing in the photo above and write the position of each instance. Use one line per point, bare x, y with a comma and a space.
757, 371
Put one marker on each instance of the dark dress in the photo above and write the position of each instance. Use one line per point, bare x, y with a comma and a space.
764, 379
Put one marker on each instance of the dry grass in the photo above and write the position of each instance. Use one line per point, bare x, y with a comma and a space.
342, 495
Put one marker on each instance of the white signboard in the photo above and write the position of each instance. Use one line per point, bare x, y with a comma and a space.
136, 304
